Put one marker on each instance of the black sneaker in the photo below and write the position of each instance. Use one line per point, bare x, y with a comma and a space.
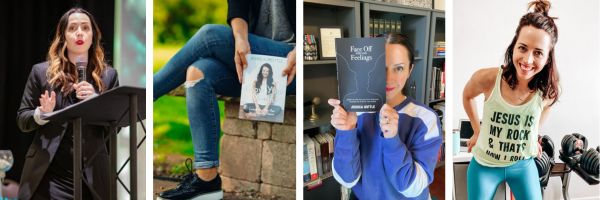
194, 188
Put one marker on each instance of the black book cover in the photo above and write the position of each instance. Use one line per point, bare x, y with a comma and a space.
361, 73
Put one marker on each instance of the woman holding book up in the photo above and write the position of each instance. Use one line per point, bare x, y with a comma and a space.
211, 63
518, 96
390, 154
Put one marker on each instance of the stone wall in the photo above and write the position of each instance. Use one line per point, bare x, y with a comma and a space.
259, 156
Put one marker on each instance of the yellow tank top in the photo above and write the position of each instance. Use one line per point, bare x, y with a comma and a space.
508, 133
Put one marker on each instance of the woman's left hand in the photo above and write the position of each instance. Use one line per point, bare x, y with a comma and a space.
290, 70
388, 121
84, 90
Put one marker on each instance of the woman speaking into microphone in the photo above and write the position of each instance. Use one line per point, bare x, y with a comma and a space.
54, 85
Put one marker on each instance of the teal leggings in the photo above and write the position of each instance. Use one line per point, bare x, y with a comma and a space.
522, 177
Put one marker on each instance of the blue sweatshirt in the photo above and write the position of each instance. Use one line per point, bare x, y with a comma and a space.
400, 167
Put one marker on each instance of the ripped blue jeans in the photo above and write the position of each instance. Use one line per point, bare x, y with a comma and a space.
210, 50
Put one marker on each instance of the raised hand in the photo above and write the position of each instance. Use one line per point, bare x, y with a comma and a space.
47, 102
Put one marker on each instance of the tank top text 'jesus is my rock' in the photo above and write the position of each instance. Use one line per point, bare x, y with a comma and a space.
508, 133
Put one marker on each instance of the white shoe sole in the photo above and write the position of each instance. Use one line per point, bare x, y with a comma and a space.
207, 196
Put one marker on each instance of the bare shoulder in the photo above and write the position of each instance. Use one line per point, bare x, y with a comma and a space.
485, 77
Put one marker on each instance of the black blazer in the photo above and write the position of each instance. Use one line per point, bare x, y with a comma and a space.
48, 137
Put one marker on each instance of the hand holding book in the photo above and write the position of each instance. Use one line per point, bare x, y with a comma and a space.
290, 69
388, 121
340, 119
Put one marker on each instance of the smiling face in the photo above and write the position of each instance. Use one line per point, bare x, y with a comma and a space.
78, 34
265, 72
530, 53
397, 71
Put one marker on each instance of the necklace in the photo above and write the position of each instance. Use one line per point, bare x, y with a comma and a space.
523, 99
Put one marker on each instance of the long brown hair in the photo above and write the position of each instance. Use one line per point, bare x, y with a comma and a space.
396, 38
546, 80
61, 72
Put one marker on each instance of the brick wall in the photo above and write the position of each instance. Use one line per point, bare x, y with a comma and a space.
259, 156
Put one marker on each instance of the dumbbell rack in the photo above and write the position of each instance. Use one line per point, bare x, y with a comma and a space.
563, 170
588, 178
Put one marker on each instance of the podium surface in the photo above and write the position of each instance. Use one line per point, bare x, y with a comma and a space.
99, 110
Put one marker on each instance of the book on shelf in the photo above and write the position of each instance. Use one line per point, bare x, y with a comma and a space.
378, 27
361, 73
381, 26
438, 83
443, 82
371, 28
330, 138
388, 25
312, 159
311, 50
324, 153
305, 162
317, 159
440, 48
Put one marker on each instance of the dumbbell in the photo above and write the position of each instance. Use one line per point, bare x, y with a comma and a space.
543, 166
545, 162
583, 139
574, 144
589, 161
548, 147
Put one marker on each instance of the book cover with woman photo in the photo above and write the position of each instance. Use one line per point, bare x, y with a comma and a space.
263, 91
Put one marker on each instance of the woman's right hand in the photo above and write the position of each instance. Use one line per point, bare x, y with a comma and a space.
47, 102
481, 82
472, 141
242, 46
340, 119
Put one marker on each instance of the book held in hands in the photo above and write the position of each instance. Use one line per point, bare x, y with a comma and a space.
361, 73
263, 89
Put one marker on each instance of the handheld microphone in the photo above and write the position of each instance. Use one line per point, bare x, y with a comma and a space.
81, 69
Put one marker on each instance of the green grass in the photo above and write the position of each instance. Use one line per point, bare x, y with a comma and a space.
171, 125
